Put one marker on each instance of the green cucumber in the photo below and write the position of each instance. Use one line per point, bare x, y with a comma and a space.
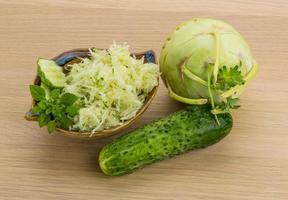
50, 73
46, 89
192, 128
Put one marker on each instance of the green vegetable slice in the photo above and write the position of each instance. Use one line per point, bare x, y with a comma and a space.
46, 89
50, 73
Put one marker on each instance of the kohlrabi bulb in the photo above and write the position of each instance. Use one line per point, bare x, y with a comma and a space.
206, 61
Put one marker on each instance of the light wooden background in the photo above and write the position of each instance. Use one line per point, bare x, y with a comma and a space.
251, 163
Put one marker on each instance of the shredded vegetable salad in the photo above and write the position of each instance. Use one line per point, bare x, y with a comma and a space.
111, 85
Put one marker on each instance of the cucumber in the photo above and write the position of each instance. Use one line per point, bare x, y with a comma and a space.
50, 73
192, 128
46, 89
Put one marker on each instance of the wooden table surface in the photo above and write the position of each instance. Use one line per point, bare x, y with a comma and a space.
251, 163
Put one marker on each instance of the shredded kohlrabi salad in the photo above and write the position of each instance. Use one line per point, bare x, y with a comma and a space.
111, 85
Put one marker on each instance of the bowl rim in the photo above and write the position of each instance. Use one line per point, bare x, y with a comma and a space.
71, 55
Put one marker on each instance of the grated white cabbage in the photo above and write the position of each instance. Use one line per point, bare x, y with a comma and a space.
112, 87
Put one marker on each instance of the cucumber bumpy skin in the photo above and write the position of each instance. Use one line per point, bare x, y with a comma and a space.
192, 128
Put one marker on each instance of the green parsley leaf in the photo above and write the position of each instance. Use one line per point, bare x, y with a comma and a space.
230, 104
68, 99
64, 121
51, 126
36, 110
37, 92
72, 110
43, 119
48, 110
55, 94
42, 104
229, 77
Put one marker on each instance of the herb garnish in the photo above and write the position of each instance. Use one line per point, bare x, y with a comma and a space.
229, 77
55, 111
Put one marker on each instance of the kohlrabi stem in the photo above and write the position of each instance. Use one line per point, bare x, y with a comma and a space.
217, 111
210, 92
184, 99
216, 64
192, 76
209, 87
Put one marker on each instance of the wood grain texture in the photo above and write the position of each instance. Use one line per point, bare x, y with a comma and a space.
251, 163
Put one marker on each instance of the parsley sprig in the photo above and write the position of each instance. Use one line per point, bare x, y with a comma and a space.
229, 77
230, 104
55, 111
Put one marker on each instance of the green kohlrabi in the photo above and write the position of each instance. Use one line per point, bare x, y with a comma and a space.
206, 61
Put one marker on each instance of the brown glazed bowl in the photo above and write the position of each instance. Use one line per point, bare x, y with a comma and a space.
72, 56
